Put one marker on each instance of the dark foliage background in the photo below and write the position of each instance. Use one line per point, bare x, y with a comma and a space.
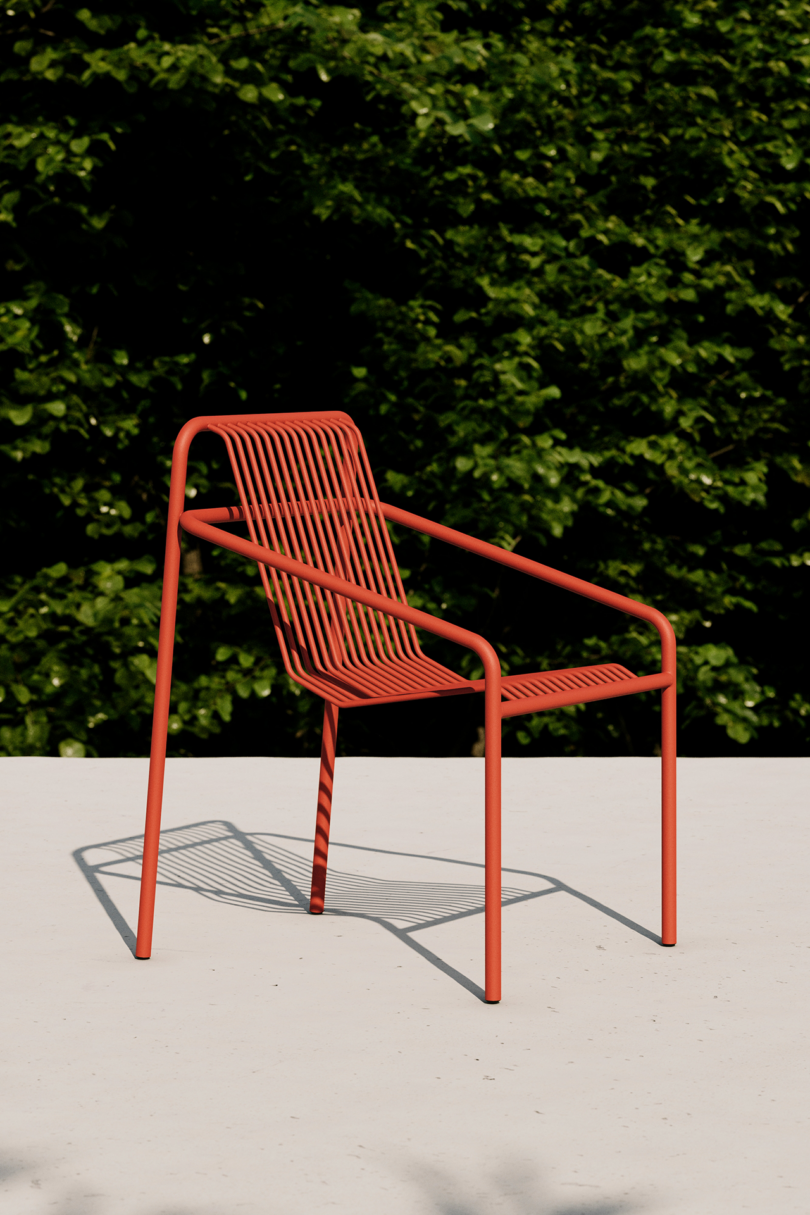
552, 258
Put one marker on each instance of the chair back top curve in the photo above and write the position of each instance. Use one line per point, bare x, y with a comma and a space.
307, 491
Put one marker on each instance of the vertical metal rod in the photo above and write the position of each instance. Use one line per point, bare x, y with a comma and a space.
492, 842
163, 690
323, 817
669, 743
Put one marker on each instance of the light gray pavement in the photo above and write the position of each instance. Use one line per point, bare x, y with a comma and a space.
266, 1062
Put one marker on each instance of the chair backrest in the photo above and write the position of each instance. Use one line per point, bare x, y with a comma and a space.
307, 491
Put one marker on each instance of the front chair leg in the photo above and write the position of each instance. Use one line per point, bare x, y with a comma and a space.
668, 816
492, 847
157, 766
323, 817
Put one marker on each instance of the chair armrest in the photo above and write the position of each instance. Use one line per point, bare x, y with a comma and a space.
195, 522
545, 573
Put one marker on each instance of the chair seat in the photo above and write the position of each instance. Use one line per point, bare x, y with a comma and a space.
421, 679
384, 681
546, 683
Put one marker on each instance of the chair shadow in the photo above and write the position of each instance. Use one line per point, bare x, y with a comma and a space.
218, 861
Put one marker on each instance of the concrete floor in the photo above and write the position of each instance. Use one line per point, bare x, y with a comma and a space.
269, 1062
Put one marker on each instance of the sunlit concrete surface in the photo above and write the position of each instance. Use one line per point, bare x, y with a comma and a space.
269, 1062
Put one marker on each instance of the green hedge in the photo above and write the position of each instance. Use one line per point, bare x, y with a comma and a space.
554, 261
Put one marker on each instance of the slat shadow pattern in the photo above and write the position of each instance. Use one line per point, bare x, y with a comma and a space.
219, 862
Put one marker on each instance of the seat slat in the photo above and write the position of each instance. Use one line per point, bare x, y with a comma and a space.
520, 687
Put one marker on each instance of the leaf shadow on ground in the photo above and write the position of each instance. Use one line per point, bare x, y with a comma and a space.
218, 861
515, 1190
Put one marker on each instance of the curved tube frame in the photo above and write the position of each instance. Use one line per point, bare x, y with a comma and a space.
199, 523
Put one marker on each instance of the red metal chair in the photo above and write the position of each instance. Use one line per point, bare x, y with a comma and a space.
317, 529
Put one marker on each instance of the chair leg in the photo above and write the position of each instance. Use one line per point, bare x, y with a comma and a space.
323, 817
492, 847
157, 760
669, 744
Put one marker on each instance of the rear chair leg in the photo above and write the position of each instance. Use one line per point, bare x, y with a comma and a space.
324, 814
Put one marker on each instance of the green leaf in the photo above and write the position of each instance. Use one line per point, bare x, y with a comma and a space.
39, 63
791, 159
20, 416
483, 122
99, 23
272, 92
146, 665
71, 748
